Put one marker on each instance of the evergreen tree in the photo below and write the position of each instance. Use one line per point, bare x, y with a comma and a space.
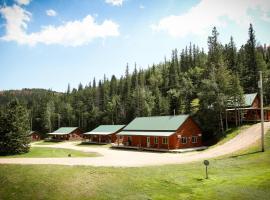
14, 129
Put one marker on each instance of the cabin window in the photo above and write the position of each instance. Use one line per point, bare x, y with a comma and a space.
194, 139
184, 140
164, 140
156, 140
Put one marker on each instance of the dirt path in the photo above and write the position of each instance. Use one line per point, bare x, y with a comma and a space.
127, 158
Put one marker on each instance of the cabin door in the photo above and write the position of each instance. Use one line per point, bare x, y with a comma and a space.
148, 141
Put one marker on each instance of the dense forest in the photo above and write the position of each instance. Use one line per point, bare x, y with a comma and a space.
192, 81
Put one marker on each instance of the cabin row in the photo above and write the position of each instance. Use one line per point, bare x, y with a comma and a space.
160, 132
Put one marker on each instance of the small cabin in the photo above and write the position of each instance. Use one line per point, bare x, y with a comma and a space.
161, 133
103, 134
34, 135
66, 133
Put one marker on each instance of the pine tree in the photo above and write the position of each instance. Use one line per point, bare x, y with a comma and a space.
14, 129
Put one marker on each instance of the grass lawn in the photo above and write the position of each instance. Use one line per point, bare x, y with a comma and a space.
46, 152
229, 134
245, 175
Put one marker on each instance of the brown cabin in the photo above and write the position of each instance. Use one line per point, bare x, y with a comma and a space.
103, 134
34, 135
161, 133
250, 111
66, 133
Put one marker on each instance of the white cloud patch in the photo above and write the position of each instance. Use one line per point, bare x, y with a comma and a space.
71, 33
115, 2
141, 6
209, 13
23, 2
51, 12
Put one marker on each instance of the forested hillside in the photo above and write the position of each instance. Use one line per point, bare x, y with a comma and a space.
193, 81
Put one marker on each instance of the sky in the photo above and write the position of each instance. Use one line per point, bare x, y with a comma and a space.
52, 43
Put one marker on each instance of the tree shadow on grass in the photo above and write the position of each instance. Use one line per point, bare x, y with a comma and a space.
245, 154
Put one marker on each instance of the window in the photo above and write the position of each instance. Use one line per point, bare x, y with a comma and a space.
164, 140
129, 138
194, 139
148, 139
156, 140
184, 140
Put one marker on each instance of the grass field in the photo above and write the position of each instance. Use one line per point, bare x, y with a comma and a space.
46, 152
244, 175
230, 134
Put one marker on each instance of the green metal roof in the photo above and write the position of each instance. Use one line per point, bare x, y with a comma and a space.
64, 130
147, 133
158, 123
249, 98
105, 129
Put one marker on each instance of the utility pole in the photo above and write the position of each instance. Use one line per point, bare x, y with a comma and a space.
262, 112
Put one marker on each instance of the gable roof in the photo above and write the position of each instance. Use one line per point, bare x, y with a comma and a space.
157, 123
31, 132
105, 129
63, 131
249, 98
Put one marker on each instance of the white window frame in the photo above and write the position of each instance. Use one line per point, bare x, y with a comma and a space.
164, 140
196, 139
156, 140
186, 140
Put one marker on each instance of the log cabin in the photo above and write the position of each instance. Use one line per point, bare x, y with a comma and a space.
66, 133
160, 133
103, 134
34, 135
249, 111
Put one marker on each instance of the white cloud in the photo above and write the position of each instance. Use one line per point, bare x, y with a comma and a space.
71, 33
142, 6
115, 2
209, 13
51, 12
23, 2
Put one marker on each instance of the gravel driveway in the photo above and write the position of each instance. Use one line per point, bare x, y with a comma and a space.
128, 158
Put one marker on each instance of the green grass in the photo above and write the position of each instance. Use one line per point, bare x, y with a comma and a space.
240, 177
230, 134
46, 152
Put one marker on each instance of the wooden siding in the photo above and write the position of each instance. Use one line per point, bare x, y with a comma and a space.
74, 135
188, 129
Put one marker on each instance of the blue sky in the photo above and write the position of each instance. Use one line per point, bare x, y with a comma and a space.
50, 43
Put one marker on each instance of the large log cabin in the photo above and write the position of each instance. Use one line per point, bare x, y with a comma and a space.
249, 111
103, 134
160, 133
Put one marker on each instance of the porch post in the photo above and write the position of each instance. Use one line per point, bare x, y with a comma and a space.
158, 142
168, 143
117, 140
